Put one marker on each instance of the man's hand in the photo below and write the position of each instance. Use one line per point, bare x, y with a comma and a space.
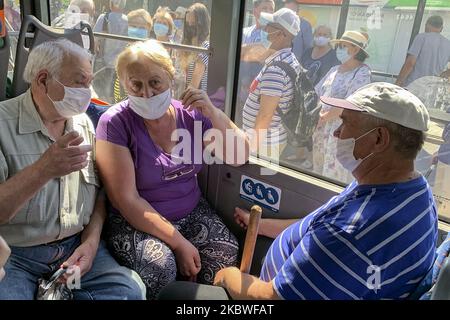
255, 52
240, 285
82, 257
241, 217
64, 156
188, 260
197, 99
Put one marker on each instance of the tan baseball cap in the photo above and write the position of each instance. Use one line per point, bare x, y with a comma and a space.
386, 101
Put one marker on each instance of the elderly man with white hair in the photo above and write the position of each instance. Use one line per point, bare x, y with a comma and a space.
52, 214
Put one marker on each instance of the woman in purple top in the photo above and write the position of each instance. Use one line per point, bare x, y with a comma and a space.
159, 223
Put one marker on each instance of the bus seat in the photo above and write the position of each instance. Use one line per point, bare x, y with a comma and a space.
441, 290
4, 62
441, 276
32, 33
436, 284
95, 110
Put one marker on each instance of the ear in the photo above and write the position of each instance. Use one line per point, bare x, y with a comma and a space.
383, 141
42, 80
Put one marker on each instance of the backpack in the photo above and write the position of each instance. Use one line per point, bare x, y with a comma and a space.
301, 119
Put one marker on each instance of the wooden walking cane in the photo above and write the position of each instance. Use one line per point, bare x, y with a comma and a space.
250, 238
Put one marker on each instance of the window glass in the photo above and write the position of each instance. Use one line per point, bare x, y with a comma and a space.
13, 22
320, 14
386, 27
435, 92
178, 21
387, 49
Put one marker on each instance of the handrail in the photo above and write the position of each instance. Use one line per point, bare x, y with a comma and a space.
384, 74
165, 44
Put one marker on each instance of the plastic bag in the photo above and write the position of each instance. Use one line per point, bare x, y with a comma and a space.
52, 289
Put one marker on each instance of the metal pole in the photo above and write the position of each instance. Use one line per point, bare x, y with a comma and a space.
417, 20
345, 6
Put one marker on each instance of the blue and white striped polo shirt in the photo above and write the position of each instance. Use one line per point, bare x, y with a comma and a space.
369, 242
274, 82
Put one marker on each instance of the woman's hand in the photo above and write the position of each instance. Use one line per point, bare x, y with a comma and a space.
193, 98
188, 260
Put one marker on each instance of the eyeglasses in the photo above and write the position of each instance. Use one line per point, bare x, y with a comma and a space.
185, 169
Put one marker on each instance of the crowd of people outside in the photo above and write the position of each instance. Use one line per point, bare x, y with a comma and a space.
181, 25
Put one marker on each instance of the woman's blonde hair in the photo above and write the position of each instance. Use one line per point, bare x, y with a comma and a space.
151, 50
141, 14
163, 14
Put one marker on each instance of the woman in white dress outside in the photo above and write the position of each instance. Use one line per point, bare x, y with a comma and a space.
340, 82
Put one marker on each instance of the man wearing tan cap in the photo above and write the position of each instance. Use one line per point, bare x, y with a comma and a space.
377, 238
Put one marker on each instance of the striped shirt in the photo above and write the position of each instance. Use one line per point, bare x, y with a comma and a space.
367, 235
271, 81
203, 57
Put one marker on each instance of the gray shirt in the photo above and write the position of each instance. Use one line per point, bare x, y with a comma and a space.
62, 207
432, 51
118, 25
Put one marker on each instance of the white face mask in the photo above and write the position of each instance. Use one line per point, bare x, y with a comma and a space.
343, 55
344, 152
151, 108
75, 101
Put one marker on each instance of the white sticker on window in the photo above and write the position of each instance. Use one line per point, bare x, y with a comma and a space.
260, 193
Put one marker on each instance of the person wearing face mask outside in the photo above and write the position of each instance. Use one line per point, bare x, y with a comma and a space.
164, 29
114, 21
140, 24
272, 87
340, 82
163, 26
304, 39
82, 9
52, 211
159, 224
317, 60
253, 53
376, 239
178, 17
196, 33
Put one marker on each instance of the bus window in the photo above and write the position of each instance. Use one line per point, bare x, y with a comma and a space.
135, 19
321, 13
12, 21
382, 32
434, 91
387, 49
